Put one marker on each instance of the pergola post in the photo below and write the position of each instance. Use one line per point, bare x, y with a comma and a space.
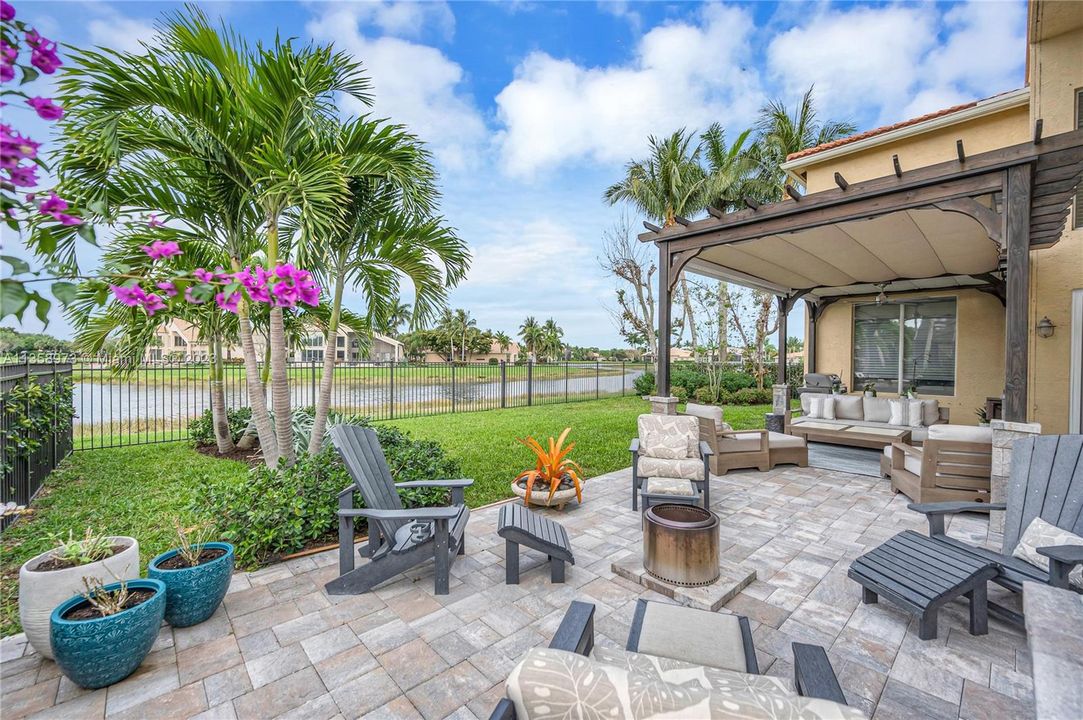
661, 376
783, 312
1017, 197
810, 341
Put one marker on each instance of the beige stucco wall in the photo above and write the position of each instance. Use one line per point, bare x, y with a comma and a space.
979, 347
1056, 73
990, 132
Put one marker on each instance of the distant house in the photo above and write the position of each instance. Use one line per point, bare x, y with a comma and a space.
179, 340
511, 354
348, 347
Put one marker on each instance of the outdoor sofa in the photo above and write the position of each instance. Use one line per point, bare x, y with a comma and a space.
861, 411
736, 449
953, 464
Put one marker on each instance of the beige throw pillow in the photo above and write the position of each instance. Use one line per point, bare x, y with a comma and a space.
1042, 534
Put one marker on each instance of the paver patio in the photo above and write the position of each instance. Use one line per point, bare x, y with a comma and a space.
280, 647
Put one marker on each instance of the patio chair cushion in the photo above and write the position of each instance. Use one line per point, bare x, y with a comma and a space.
668, 437
782, 440
677, 671
1043, 534
741, 442
693, 636
670, 486
962, 433
709, 412
911, 463
551, 683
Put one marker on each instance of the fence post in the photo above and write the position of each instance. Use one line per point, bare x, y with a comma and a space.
452, 386
623, 377
503, 384
313, 382
530, 382
597, 380
565, 381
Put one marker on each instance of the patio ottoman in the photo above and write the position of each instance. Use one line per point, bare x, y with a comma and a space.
520, 526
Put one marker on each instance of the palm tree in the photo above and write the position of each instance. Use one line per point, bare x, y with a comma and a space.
254, 117
552, 336
668, 183
728, 167
780, 132
463, 324
398, 314
531, 334
503, 340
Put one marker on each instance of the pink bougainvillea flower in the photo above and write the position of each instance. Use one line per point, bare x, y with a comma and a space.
8, 53
68, 219
7, 73
7, 12
130, 295
160, 249
154, 222
309, 293
14, 147
46, 108
168, 288
152, 304
203, 276
228, 302
190, 297
24, 175
43, 53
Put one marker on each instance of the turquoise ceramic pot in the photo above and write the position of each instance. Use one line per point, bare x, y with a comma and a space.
96, 653
193, 594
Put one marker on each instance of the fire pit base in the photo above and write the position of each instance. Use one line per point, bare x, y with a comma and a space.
732, 578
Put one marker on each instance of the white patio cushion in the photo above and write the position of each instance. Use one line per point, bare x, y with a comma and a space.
930, 412
708, 412
962, 433
782, 440
670, 486
1044, 534
678, 671
849, 407
876, 409
670, 437
686, 468
910, 464
741, 442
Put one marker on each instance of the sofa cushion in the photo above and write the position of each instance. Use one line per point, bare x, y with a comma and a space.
708, 412
822, 407
1043, 534
961, 433
876, 409
670, 486
930, 412
741, 442
781, 440
849, 407
670, 437
684, 468
911, 463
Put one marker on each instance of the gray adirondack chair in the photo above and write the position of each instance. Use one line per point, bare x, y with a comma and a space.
399, 538
1047, 482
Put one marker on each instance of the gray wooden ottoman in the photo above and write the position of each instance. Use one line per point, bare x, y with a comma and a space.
519, 526
922, 574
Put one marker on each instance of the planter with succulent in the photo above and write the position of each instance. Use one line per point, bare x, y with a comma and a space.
100, 636
49, 579
196, 576
836, 386
911, 391
563, 477
983, 416
870, 389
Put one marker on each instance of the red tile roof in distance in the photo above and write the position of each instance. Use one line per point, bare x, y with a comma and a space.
880, 130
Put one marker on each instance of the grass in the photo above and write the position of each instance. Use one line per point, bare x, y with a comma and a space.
132, 491
485, 443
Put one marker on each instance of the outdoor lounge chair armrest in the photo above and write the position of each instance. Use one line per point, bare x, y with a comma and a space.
457, 483
349, 490
1062, 560
763, 433
504, 710
427, 513
705, 450
813, 674
576, 631
907, 450
935, 512
634, 447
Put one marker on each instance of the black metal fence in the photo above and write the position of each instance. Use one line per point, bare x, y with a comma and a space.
31, 443
154, 401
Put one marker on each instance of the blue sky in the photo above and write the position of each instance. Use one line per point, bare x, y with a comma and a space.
532, 109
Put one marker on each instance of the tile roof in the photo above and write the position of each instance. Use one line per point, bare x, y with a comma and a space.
880, 130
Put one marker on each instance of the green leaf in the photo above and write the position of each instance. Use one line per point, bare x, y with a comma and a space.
41, 307
18, 265
46, 241
29, 74
13, 298
65, 292
86, 231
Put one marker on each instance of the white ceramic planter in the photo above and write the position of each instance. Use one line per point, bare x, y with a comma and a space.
541, 496
41, 592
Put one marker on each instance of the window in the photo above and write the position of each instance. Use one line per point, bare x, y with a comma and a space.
340, 341
897, 345
178, 341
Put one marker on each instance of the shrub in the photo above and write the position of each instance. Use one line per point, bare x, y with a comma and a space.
705, 396
688, 377
282, 510
644, 384
201, 429
680, 393
494, 361
733, 381
752, 396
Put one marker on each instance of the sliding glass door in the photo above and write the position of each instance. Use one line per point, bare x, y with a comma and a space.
905, 344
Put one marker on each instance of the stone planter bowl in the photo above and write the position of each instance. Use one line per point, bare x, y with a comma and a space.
193, 594
541, 497
100, 652
41, 592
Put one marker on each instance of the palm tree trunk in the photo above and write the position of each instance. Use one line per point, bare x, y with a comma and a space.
689, 315
248, 440
323, 402
264, 430
280, 380
219, 417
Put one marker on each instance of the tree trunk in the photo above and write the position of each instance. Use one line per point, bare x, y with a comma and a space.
219, 417
323, 402
264, 430
723, 323
280, 380
250, 437
689, 315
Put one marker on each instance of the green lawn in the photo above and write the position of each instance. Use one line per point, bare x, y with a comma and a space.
485, 442
129, 491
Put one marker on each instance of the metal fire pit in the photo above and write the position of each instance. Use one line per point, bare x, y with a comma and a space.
680, 544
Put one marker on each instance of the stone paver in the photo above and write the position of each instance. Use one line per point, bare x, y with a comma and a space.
281, 647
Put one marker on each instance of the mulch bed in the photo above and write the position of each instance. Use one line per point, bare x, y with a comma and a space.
251, 458
177, 562
86, 611
54, 563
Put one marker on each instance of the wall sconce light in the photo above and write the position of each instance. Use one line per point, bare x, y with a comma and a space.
1045, 327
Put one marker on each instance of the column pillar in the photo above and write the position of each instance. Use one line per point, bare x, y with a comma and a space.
661, 375
783, 313
1016, 307
810, 341
1005, 433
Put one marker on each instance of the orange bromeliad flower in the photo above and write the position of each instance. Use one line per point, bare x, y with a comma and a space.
552, 466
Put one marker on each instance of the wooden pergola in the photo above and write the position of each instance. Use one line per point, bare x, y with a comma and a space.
967, 222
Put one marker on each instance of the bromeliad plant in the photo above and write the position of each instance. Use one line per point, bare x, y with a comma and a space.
552, 467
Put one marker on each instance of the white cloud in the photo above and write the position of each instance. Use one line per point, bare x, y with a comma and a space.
117, 31
683, 74
406, 19
856, 58
622, 9
535, 253
414, 84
